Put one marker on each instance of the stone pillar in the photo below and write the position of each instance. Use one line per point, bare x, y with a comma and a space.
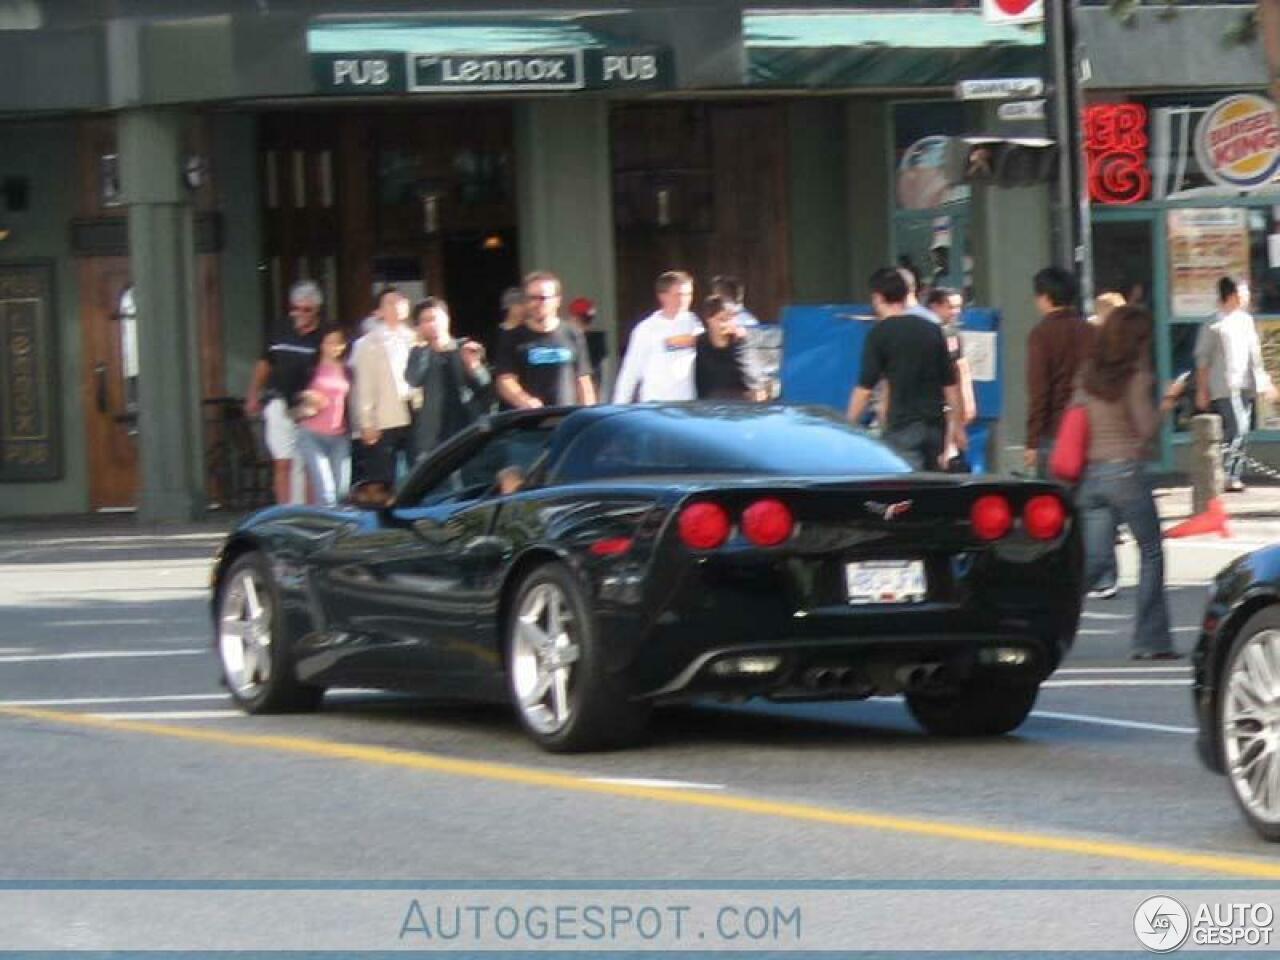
1010, 242
869, 196
162, 256
566, 201
1208, 479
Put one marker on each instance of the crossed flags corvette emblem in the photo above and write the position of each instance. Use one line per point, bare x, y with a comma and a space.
889, 511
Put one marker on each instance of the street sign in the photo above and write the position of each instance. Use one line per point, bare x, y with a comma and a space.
1004, 88
1021, 110
1013, 11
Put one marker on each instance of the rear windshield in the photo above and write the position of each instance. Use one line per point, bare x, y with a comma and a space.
733, 440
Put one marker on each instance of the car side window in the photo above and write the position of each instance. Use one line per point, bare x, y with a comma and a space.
479, 474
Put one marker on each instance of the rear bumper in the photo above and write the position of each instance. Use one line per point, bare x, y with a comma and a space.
859, 667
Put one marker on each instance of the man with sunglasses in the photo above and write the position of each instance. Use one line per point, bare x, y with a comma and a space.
280, 376
544, 363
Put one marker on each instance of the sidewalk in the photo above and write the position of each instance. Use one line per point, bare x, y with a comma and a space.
1255, 516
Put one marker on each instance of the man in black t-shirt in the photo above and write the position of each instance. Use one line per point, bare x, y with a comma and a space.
545, 363
910, 353
284, 371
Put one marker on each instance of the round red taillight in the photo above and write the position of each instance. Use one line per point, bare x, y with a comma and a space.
767, 523
704, 526
1044, 516
991, 517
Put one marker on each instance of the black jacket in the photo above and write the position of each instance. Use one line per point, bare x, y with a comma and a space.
452, 397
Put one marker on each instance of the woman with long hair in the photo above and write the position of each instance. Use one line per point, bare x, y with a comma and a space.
1118, 384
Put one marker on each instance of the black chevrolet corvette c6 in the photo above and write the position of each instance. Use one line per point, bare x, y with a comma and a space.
588, 564
1237, 685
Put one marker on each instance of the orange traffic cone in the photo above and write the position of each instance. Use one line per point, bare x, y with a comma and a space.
1213, 520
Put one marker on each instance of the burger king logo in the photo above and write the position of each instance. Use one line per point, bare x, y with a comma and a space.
1238, 142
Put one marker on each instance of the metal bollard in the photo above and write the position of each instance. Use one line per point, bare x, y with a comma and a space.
1207, 478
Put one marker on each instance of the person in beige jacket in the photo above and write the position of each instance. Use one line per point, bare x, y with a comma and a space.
382, 396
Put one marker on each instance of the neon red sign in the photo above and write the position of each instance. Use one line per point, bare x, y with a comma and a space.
1115, 142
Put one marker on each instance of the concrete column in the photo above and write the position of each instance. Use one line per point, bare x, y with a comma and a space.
819, 175
1009, 238
566, 200
869, 192
162, 254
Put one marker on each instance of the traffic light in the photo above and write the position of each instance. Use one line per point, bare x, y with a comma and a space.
1000, 161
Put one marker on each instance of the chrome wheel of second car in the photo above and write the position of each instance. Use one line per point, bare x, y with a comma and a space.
1251, 725
545, 649
244, 633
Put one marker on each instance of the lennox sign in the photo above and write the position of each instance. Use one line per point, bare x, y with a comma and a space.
594, 68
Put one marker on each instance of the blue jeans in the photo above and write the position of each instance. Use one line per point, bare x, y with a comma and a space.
1122, 491
1106, 573
328, 461
1236, 412
918, 443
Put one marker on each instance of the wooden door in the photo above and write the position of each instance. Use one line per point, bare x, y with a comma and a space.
108, 332
700, 187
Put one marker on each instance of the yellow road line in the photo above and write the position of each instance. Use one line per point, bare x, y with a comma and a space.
809, 813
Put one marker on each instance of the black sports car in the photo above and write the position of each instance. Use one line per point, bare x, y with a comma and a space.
1237, 685
587, 564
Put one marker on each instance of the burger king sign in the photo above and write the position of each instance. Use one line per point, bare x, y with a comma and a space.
1238, 142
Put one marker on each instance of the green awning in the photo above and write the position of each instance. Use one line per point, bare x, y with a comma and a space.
450, 36
886, 48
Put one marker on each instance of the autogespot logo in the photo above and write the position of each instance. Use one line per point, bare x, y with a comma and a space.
1162, 924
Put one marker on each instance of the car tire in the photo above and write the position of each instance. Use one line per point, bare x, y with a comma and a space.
253, 652
566, 699
974, 710
1247, 743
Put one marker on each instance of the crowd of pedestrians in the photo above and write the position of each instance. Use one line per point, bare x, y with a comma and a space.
365, 414
338, 416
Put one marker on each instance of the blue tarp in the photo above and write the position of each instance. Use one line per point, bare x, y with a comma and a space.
822, 353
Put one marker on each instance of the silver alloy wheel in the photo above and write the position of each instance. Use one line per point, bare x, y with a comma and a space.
244, 633
543, 652
1251, 725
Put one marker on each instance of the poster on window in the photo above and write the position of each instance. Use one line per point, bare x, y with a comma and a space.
1205, 245
1268, 415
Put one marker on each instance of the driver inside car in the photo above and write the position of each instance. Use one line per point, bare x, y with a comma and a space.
510, 480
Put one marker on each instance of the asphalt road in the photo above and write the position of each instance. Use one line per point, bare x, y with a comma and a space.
125, 760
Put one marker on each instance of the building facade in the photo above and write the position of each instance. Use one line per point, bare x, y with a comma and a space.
168, 169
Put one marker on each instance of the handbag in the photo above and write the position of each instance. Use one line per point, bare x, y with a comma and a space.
1071, 448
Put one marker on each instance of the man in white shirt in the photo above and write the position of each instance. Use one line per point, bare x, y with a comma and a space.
1230, 374
658, 365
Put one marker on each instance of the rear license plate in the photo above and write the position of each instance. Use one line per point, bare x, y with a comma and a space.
886, 581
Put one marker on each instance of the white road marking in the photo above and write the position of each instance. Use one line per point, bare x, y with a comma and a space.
16, 649
101, 623
1073, 670
105, 701
661, 784
1150, 682
1111, 722
1092, 615
103, 655
171, 715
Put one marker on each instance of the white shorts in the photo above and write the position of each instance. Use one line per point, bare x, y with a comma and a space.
281, 433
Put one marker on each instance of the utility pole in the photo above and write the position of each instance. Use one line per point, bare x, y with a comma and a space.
1070, 242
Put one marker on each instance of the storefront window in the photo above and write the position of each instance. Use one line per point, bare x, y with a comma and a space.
930, 216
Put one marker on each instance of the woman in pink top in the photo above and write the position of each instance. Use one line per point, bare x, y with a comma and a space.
324, 439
